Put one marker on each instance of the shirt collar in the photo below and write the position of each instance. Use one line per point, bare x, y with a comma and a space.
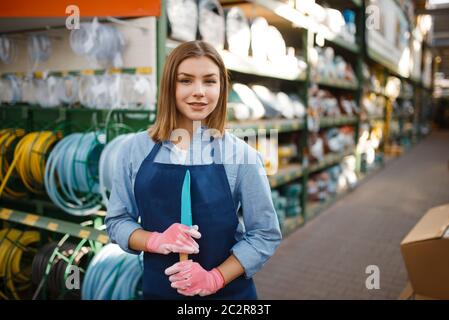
168, 144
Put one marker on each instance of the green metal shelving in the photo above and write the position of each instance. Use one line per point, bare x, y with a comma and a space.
54, 225
33, 118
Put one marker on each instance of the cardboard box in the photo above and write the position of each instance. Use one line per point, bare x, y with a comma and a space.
408, 294
426, 254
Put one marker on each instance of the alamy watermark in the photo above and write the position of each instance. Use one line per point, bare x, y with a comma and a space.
372, 282
73, 281
204, 151
73, 20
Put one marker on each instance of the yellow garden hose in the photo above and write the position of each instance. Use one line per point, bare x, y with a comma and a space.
31, 154
16, 246
8, 141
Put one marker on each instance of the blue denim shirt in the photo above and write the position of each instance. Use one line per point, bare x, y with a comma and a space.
258, 233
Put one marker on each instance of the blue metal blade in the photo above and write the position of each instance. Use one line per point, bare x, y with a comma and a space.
186, 205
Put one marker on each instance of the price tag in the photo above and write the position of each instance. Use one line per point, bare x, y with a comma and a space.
103, 238
30, 219
88, 72
5, 214
38, 74
144, 70
84, 234
52, 226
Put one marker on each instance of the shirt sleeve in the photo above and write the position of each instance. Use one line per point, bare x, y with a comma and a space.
262, 232
122, 214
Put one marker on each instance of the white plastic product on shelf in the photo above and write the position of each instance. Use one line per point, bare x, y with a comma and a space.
39, 48
10, 89
67, 89
211, 24
286, 105
29, 88
136, 92
101, 43
239, 111
109, 160
123, 91
249, 98
113, 274
238, 33
348, 170
47, 92
334, 141
334, 20
95, 91
316, 147
259, 31
269, 101
275, 46
86, 82
8, 49
298, 106
349, 106
350, 27
182, 19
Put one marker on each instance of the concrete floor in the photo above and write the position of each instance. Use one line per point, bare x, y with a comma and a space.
327, 258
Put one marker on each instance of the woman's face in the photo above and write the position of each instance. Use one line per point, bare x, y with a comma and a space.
197, 88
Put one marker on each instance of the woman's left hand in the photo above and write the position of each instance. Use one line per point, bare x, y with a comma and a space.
190, 279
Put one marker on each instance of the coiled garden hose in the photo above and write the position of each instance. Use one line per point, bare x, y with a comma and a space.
31, 153
16, 251
108, 164
113, 275
10, 183
71, 174
57, 258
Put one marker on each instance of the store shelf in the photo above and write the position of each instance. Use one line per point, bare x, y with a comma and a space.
248, 65
71, 119
315, 207
43, 206
408, 97
42, 74
378, 58
335, 39
338, 84
286, 12
402, 117
250, 128
291, 224
285, 175
330, 159
54, 225
375, 118
327, 122
379, 93
300, 20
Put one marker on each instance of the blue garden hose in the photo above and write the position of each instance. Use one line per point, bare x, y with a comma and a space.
108, 164
71, 174
113, 275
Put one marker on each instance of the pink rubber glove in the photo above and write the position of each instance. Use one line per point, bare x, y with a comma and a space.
190, 279
177, 238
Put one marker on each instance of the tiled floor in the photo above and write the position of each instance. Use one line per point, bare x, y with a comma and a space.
327, 258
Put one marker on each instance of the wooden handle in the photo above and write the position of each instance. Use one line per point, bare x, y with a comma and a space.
183, 256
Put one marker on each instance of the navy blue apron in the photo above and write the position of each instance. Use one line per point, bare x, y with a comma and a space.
157, 191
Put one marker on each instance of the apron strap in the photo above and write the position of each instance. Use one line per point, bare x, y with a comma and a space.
154, 152
215, 150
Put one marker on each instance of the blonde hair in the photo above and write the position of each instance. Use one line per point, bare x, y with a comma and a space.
166, 107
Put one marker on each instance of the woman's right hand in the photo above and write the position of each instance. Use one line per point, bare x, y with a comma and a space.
177, 238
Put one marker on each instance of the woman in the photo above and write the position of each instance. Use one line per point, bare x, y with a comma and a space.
226, 174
